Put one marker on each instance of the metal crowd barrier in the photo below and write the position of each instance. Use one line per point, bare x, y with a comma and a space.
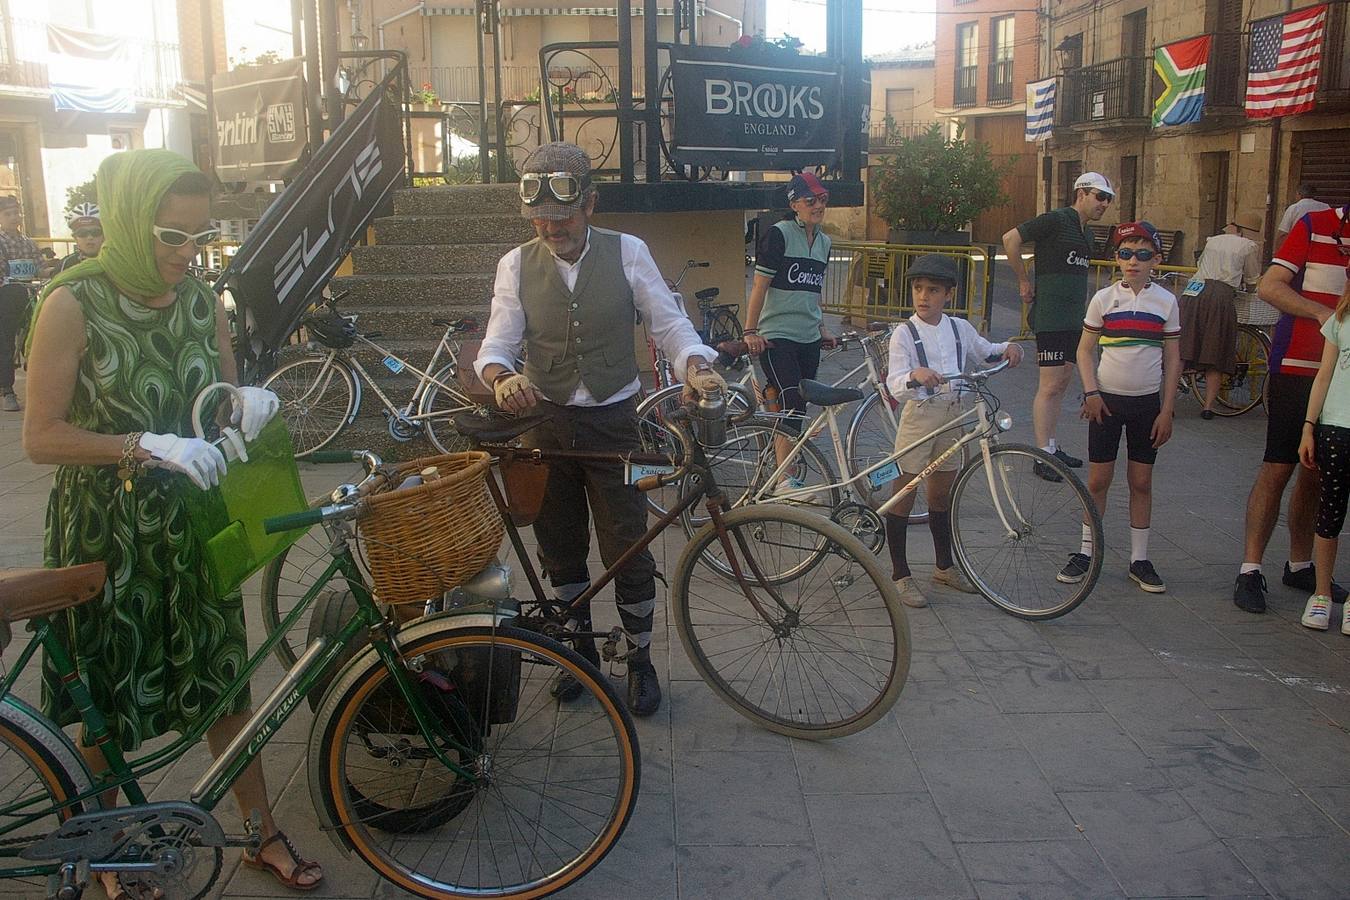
866, 281
1101, 272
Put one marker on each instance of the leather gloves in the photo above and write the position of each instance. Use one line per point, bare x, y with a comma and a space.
199, 460
254, 407
514, 393
700, 380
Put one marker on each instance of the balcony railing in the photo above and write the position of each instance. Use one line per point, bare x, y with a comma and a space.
1000, 82
965, 85
459, 84
155, 66
1114, 91
887, 135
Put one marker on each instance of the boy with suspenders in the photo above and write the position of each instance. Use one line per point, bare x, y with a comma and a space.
923, 347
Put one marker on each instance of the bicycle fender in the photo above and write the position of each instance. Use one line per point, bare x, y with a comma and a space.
26, 719
353, 671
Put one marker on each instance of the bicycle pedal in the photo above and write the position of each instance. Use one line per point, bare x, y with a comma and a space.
610, 652
68, 882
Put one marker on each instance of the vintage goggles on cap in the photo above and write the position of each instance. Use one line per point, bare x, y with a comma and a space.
541, 187
172, 237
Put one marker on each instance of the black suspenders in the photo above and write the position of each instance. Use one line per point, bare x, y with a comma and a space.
923, 355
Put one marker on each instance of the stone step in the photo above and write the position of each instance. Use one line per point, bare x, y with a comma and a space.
458, 200
436, 259
460, 229
441, 292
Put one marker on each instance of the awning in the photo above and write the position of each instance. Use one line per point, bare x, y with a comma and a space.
546, 11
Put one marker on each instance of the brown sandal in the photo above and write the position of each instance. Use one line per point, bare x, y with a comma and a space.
302, 866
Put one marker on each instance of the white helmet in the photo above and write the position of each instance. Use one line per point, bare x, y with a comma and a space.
82, 214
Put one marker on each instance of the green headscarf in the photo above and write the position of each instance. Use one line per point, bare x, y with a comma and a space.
130, 185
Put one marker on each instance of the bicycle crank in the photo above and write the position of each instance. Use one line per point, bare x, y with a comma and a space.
862, 522
401, 428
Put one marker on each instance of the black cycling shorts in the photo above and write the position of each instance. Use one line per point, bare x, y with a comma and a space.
1057, 348
1132, 415
785, 364
1286, 408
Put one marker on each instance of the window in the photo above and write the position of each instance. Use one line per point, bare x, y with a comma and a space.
1134, 35
900, 105
1001, 59
967, 62
1069, 170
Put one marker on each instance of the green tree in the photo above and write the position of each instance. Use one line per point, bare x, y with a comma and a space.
932, 183
80, 193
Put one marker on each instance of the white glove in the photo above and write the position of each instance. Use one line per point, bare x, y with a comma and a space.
254, 407
194, 457
515, 393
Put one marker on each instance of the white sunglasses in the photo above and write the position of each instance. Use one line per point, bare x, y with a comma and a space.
173, 237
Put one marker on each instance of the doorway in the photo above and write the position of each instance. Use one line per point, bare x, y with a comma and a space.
1213, 193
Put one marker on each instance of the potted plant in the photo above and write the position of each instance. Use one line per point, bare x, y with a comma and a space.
425, 99
930, 187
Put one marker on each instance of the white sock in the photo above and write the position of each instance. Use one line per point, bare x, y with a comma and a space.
1248, 568
1299, 566
1052, 447
1138, 544
1086, 548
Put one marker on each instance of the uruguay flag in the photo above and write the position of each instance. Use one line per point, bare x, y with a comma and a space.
1040, 109
1181, 70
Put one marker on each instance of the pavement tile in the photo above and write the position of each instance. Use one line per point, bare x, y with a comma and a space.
992, 795
1298, 867
784, 873
1038, 870
1086, 751
1223, 679
642, 863
874, 761
903, 852
1158, 712
1155, 845
936, 715
1105, 652
1031, 681
1296, 734
738, 797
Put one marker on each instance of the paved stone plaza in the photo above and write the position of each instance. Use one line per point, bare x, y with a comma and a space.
1143, 746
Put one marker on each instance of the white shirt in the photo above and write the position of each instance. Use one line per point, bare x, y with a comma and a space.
667, 322
1296, 211
939, 345
1132, 329
1230, 258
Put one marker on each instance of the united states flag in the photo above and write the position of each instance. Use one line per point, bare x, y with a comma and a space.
1285, 63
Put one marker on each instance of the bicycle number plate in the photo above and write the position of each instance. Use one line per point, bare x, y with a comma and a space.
1193, 288
393, 365
635, 472
885, 475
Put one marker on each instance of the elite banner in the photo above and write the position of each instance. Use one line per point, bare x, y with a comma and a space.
309, 229
259, 121
743, 111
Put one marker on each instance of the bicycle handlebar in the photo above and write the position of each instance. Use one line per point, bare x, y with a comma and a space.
978, 376
678, 425
334, 456
307, 518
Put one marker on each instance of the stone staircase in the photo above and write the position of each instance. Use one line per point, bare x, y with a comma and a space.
434, 258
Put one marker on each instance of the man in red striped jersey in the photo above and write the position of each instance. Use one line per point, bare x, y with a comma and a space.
1304, 282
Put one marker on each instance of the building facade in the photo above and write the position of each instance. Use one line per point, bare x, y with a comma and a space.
987, 51
43, 151
1191, 178
902, 105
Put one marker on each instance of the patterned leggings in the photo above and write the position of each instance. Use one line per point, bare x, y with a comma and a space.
1333, 462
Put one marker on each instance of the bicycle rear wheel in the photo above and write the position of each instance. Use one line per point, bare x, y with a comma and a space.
1013, 532
831, 653
441, 406
318, 399
871, 438
1245, 389
723, 326
655, 436
552, 786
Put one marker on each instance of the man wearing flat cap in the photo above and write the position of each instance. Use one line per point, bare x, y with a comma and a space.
570, 297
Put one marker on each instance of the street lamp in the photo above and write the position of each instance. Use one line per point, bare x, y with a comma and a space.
359, 40
1069, 52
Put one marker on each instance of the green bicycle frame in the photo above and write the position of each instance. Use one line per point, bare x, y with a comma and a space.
265, 721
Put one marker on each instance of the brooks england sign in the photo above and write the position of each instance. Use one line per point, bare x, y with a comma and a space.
744, 111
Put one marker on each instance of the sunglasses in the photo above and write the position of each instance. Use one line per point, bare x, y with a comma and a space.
89, 233
564, 187
816, 199
172, 237
1103, 196
1143, 254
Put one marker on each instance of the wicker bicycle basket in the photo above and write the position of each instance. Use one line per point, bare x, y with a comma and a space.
1252, 310
425, 540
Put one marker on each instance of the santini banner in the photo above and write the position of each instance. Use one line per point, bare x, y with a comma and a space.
260, 121
737, 111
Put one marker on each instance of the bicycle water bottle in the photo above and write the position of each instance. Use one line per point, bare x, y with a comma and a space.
712, 410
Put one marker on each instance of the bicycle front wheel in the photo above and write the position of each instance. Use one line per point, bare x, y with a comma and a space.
552, 786
1014, 531
318, 399
286, 579
822, 656
871, 438
654, 436
1245, 389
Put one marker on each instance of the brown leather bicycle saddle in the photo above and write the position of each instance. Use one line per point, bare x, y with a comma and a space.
25, 593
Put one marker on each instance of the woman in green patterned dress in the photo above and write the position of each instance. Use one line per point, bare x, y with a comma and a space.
121, 346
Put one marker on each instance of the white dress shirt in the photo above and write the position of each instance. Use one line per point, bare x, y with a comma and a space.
666, 320
1230, 258
939, 345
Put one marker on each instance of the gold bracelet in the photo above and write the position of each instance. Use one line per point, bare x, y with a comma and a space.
128, 467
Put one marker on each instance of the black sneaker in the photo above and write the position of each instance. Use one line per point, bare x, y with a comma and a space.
565, 688
1044, 471
644, 689
1075, 569
1072, 462
1305, 581
1249, 592
1143, 574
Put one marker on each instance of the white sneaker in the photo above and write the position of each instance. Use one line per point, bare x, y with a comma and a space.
954, 579
788, 485
1345, 619
9, 402
1317, 614
910, 595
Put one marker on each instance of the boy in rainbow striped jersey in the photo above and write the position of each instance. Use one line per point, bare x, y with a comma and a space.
1133, 388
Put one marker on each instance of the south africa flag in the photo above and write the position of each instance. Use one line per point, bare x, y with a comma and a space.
1181, 69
